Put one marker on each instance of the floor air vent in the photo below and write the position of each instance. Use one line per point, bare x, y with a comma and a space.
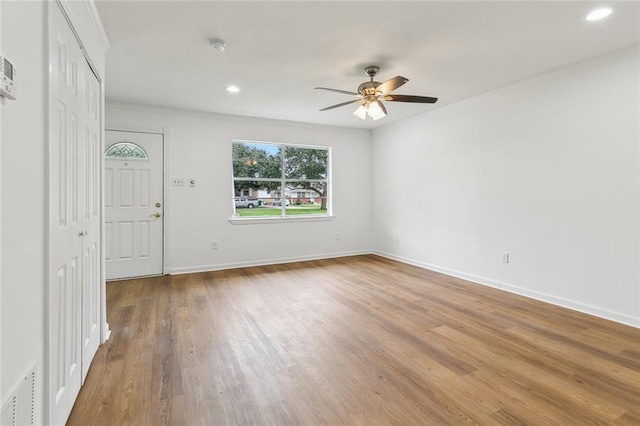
18, 410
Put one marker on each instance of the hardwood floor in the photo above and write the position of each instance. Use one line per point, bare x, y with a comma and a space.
355, 341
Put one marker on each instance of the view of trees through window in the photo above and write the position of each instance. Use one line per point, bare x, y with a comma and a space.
280, 180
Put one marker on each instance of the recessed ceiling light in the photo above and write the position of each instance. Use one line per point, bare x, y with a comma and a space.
598, 14
233, 89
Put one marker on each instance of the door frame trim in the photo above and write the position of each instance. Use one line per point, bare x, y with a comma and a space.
166, 134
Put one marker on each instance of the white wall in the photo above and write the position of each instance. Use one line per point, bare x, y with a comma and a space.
23, 196
546, 170
199, 147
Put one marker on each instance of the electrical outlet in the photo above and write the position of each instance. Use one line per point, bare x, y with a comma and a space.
337, 235
397, 238
214, 245
505, 257
178, 181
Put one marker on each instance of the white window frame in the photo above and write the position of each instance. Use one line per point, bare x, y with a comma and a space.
238, 220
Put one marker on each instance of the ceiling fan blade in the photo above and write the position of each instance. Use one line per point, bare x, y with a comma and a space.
391, 85
342, 104
409, 98
344, 92
382, 107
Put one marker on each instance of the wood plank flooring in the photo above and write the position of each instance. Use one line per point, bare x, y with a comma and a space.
352, 341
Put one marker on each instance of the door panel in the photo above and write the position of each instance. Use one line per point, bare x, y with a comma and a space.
65, 227
74, 218
133, 223
91, 219
125, 237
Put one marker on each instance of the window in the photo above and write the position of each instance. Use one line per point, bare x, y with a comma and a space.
128, 150
282, 180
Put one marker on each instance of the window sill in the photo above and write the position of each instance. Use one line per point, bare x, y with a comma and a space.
261, 220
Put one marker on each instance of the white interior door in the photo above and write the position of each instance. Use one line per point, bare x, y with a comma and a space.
92, 217
74, 218
133, 204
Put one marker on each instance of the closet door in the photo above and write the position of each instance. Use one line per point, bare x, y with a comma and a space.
74, 218
91, 246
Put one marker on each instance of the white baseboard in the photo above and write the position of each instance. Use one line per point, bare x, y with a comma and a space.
107, 332
262, 262
543, 297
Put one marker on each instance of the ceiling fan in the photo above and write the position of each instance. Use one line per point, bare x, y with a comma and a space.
371, 93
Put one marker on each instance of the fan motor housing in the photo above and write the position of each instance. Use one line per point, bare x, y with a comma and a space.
368, 87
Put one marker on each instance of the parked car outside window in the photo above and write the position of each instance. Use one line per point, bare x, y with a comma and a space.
248, 203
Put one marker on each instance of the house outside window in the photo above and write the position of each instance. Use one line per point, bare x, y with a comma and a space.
284, 180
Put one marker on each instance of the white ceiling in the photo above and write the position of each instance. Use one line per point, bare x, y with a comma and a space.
279, 51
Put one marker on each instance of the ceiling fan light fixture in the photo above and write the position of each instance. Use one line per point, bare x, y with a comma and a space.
361, 112
370, 93
375, 111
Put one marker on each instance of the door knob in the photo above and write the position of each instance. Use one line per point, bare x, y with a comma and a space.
157, 214
158, 205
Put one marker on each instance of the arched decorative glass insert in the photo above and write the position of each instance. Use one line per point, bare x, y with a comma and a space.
128, 150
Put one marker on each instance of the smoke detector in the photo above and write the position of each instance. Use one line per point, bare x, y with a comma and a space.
218, 44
